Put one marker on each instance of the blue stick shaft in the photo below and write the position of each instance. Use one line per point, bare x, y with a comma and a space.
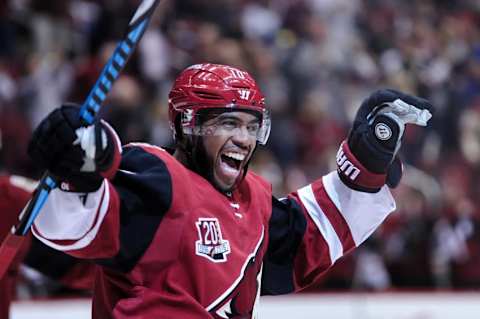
90, 108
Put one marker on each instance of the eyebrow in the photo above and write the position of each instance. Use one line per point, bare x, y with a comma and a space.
228, 116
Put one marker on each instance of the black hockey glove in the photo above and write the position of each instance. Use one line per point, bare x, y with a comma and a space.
367, 160
80, 157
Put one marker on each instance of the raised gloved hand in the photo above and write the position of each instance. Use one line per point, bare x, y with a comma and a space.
78, 156
367, 160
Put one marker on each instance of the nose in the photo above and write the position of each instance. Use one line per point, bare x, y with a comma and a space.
241, 136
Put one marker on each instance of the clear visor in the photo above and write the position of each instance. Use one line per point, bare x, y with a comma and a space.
225, 122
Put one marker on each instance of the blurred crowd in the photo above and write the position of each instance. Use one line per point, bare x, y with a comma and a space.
315, 61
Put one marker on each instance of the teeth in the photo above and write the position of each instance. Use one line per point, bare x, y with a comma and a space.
236, 156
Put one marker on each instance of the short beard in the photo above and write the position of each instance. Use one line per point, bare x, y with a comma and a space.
198, 161
203, 165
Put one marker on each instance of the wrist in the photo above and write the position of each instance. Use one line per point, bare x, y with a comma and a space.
354, 174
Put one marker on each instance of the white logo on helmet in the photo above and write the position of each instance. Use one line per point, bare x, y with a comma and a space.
382, 131
237, 74
244, 94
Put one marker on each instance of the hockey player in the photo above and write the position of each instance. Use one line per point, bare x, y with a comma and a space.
190, 232
66, 271
69, 272
14, 194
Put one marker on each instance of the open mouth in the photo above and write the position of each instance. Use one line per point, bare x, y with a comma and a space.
233, 160
230, 166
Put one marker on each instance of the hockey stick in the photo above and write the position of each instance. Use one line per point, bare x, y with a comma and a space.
88, 112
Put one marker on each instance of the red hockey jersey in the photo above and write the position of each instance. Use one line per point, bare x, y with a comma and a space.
172, 246
14, 194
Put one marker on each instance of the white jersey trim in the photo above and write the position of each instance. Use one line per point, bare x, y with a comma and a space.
24, 183
65, 217
307, 197
362, 211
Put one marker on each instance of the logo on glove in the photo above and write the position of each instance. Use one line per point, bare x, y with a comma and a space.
383, 131
345, 166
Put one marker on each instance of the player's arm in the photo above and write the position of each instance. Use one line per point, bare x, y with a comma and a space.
103, 195
15, 191
14, 194
316, 225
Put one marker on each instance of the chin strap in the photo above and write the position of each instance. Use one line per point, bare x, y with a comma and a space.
245, 168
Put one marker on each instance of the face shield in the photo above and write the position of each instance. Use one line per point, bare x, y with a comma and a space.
218, 121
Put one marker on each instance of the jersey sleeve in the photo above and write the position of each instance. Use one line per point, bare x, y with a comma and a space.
313, 227
15, 191
105, 225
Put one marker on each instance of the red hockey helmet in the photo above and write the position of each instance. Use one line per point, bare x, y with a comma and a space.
214, 86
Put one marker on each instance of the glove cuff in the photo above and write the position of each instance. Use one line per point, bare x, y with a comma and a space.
354, 174
80, 183
108, 167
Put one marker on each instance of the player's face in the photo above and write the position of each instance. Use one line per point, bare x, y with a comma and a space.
229, 140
